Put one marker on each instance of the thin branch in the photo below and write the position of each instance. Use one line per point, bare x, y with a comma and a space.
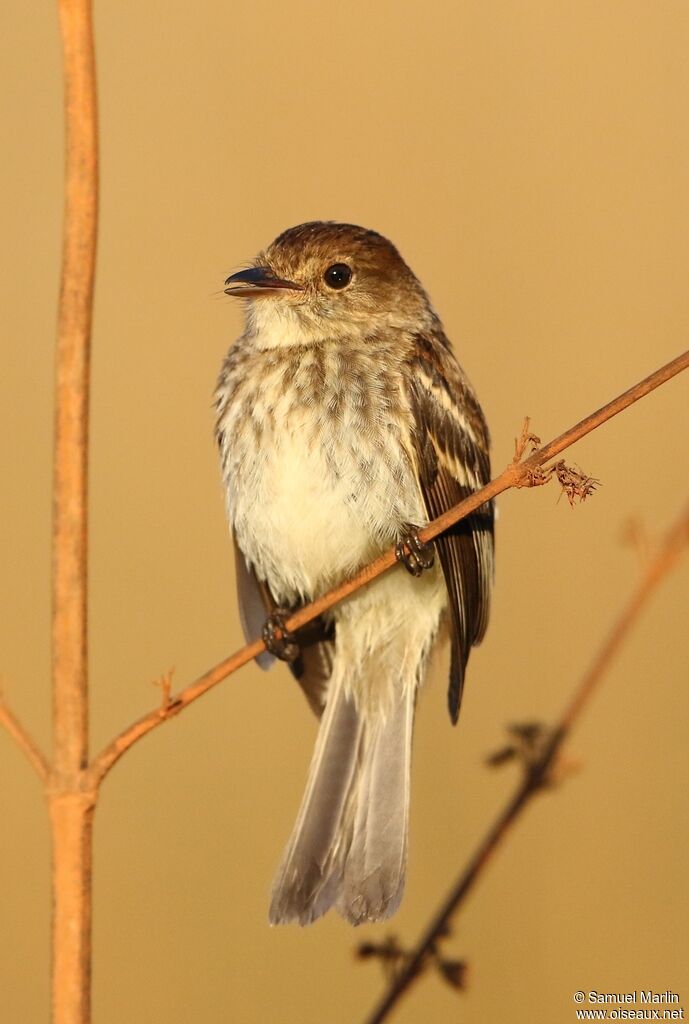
71, 806
539, 772
70, 479
664, 560
24, 741
517, 474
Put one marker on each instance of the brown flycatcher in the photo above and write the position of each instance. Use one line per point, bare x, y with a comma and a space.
344, 422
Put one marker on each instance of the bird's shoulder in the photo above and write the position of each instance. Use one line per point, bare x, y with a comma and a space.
447, 413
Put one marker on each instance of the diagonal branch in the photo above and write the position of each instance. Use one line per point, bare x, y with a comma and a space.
539, 772
24, 741
517, 474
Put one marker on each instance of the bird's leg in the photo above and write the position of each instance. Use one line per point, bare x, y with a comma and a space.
411, 551
278, 640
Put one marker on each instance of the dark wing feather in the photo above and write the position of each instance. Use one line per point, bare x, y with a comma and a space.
255, 603
451, 441
313, 665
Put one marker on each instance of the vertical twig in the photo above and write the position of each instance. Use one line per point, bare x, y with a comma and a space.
72, 395
71, 802
71, 818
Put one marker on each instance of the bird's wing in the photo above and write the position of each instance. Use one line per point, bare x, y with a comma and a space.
451, 448
313, 665
255, 603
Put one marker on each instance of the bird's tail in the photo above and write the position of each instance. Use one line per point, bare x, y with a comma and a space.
349, 845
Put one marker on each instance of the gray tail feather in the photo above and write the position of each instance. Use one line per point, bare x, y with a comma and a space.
349, 845
375, 868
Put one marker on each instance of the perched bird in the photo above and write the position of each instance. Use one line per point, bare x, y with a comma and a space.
344, 422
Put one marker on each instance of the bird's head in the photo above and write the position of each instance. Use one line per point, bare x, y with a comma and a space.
326, 280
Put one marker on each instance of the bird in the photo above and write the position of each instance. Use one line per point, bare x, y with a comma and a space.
344, 424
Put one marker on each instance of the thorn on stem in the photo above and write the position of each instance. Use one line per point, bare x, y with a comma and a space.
529, 745
454, 972
165, 684
526, 440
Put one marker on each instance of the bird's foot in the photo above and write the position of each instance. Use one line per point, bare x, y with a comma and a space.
413, 553
278, 640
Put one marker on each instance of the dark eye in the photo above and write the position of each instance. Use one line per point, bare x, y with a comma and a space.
338, 276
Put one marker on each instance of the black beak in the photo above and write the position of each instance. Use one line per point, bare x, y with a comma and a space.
257, 279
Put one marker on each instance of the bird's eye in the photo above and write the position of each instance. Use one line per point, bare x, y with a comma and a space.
338, 276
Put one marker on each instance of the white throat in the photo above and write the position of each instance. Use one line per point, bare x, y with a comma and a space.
276, 324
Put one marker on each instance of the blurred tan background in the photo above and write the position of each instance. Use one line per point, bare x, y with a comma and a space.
531, 161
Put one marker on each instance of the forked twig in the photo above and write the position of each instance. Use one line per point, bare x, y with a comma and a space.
538, 771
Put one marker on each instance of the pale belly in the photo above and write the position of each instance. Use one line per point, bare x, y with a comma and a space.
309, 508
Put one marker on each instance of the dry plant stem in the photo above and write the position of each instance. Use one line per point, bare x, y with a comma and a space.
538, 775
71, 801
70, 709
517, 474
71, 820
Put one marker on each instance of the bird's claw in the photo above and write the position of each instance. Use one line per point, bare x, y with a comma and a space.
278, 640
413, 553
